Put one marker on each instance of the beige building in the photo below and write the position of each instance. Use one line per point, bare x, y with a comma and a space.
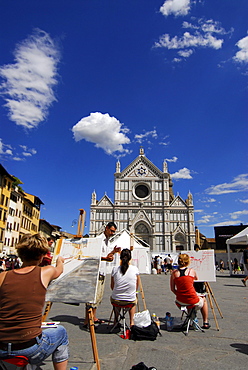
6, 181
144, 204
11, 236
30, 214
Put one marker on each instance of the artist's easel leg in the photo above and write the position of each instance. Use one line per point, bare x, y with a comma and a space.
142, 295
138, 306
211, 305
93, 335
47, 310
212, 295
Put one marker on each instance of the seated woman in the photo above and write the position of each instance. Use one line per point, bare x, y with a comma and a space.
124, 283
22, 297
182, 285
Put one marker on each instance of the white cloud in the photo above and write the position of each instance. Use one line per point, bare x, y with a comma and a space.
185, 53
174, 159
176, 7
207, 26
199, 210
4, 151
28, 152
235, 215
188, 41
239, 183
184, 173
28, 83
104, 131
243, 200
205, 219
177, 60
7, 150
201, 33
207, 200
225, 223
140, 137
242, 55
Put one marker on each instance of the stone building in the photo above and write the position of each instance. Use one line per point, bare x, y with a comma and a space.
144, 204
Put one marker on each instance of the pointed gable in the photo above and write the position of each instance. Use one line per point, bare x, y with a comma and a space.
141, 167
105, 202
141, 216
178, 202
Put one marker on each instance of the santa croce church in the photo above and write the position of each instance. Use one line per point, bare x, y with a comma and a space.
145, 205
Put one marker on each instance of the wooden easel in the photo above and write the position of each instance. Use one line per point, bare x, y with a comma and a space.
89, 314
212, 299
141, 291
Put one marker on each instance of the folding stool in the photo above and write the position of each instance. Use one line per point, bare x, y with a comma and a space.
190, 319
14, 363
121, 316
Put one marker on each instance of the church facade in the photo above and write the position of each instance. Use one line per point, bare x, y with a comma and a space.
144, 204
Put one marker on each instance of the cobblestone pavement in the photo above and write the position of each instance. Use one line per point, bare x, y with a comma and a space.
224, 349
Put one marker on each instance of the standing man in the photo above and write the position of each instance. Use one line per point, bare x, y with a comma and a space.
106, 256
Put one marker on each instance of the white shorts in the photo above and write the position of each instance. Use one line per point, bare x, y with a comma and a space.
197, 305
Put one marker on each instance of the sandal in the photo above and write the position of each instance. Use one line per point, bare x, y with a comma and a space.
206, 325
99, 321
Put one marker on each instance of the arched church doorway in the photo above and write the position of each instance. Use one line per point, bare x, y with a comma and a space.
180, 241
142, 232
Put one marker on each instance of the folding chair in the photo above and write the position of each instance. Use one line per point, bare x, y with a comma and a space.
190, 312
14, 363
120, 315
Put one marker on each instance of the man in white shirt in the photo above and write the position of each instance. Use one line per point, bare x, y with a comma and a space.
106, 256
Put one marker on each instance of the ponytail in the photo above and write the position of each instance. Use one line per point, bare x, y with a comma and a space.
125, 258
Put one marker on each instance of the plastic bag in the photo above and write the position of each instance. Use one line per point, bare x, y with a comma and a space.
142, 319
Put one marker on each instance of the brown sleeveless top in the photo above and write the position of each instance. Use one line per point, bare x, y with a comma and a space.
22, 297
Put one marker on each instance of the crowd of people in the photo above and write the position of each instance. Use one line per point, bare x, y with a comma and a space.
9, 262
162, 265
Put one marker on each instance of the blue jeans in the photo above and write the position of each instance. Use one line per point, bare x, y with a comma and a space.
54, 341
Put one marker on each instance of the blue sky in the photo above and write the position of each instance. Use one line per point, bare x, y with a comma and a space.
83, 83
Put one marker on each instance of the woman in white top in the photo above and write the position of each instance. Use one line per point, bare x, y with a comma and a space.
124, 283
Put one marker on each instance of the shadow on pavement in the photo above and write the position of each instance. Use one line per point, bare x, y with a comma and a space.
239, 286
74, 320
240, 347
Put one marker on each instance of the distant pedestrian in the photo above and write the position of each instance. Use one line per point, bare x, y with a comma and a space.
159, 265
245, 257
222, 266
2, 265
235, 265
169, 261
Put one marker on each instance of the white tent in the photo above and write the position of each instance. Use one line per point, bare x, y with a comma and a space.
140, 254
239, 239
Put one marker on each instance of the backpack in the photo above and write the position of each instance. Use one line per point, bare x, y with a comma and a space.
142, 366
145, 333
